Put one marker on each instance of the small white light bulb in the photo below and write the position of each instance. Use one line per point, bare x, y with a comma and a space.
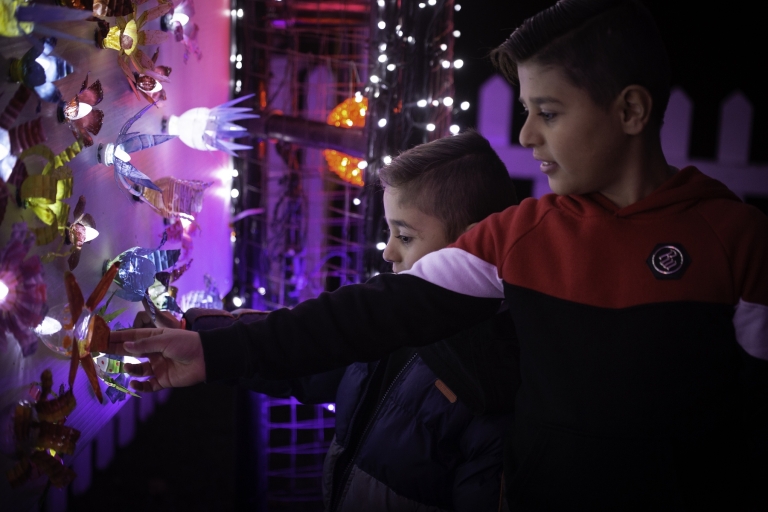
454, 129
422, 5
383, 57
447, 101
421, 103
382, 25
356, 201
261, 290
435, 103
445, 64
237, 301
239, 13
464, 105
382, 122
234, 193
362, 164
457, 7
374, 79
383, 47
387, 160
431, 127
443, 46
456, 33
381, 246
391, 67
458, 63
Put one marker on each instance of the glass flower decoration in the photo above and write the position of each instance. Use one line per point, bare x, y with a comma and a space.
129, 178
139, 268
129, 34
90, 333
39, 68
151, 87
210, 129
15, 139
80, 115
350, 113
177, 21
44, 193
76, 234
22, 290
38, 435
177, 198
18, 17
102, 8
208, 298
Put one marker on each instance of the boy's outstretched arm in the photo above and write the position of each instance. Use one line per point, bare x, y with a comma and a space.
445, 292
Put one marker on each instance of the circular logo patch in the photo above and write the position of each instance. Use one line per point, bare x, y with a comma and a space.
668, 261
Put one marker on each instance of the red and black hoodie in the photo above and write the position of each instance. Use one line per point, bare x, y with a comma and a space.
643, 337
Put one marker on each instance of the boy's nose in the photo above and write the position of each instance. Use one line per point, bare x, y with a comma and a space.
389, 254
528, 136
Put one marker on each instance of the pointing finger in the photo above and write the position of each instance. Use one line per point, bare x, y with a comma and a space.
139, 370
118, 338
146, 386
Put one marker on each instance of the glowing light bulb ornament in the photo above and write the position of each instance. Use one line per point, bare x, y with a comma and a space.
350, 113
39, 68
210, 129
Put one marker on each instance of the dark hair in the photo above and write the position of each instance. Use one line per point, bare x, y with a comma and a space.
458, 179
602, 45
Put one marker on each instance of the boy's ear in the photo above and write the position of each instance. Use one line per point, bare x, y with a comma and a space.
635, 103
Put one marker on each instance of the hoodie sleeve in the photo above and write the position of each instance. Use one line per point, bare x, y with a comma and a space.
445, 292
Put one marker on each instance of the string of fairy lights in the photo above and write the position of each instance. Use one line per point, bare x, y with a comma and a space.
409, 90
406, 99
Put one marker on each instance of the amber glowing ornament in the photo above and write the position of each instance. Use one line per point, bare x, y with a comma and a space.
90, 333
350, 113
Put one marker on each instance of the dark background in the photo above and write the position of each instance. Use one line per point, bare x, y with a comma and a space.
715, 48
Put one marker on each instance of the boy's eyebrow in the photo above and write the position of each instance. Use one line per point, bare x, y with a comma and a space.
402, 224
542, 100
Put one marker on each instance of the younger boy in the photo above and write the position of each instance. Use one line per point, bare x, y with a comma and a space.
639, 293
406, 436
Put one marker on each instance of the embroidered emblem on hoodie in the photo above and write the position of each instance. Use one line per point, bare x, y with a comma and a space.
668, 261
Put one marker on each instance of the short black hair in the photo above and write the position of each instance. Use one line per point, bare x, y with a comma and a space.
458, 179
602, 45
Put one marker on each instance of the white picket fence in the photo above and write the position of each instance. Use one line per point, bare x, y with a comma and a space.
731, 167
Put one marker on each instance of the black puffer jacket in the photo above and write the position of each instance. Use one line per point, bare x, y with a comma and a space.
418, 430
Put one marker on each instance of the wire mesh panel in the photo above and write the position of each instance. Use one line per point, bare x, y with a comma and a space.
306, 232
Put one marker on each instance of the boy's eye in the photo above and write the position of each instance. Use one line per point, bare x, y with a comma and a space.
404, 239
548, 116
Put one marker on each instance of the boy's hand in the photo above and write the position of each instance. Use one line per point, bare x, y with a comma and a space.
164, 319
175, 357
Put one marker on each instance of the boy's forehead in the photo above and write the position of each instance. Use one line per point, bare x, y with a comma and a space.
543, 83
402, 210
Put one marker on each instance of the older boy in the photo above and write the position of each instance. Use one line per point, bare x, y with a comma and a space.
639, 292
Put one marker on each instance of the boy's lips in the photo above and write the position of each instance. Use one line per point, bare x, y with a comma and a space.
546, 165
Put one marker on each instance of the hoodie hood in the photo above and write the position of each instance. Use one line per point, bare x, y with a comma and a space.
687, 187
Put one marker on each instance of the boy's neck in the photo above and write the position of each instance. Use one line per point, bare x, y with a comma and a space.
645, 169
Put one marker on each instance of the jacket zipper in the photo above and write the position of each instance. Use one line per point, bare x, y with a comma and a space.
348, 469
